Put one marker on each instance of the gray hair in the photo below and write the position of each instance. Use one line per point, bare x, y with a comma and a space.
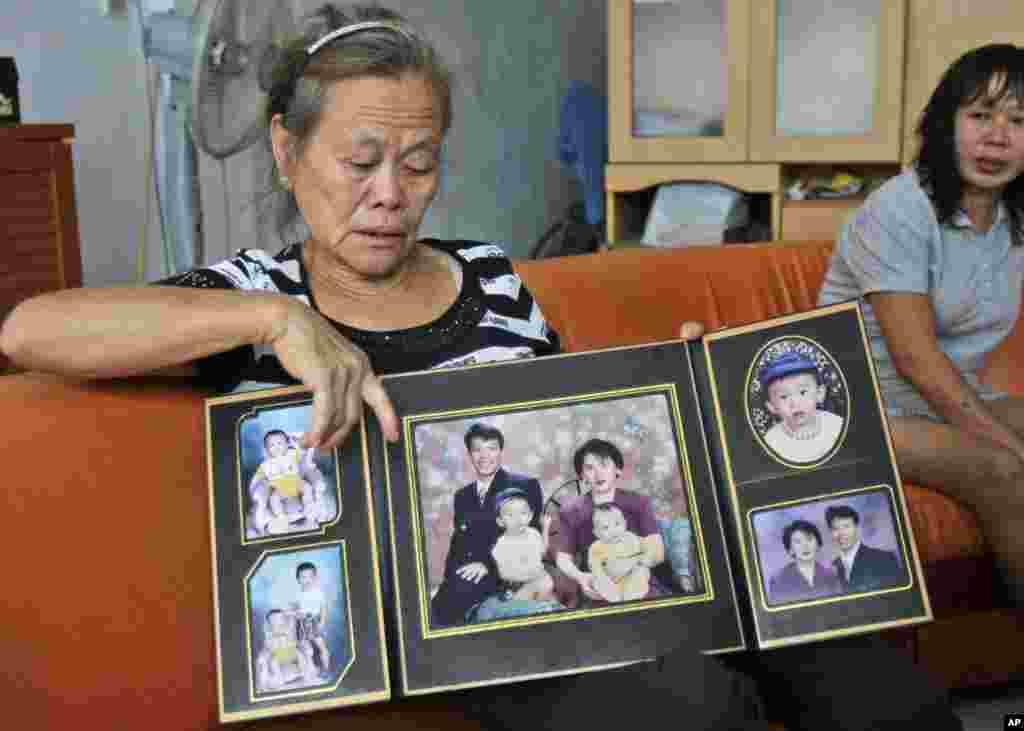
296, 80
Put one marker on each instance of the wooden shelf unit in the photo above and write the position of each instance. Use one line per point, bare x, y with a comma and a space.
39, 242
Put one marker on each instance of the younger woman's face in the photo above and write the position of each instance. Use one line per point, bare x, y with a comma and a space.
990, 139
600, 474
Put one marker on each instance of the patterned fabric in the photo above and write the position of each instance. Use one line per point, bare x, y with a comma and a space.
493, 318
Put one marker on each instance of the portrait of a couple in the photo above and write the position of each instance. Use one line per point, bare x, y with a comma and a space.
844, 563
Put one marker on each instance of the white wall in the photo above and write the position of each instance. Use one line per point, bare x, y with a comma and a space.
504, 183
80, 68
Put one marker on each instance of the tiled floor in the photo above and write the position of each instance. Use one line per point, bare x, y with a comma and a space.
984, 711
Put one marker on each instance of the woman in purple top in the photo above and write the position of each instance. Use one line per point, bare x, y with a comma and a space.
599, 465
805, 577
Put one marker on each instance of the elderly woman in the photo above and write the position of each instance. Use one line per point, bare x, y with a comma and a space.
358, 113
804, 577
357, 117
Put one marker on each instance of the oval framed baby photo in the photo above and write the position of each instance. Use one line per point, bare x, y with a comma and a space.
797, 402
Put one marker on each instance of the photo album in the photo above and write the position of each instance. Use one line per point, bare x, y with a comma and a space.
555, 515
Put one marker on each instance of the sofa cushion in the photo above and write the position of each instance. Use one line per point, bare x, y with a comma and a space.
593, 302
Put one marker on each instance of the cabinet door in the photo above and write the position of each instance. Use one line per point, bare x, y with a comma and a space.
938, 33
677, 80
827, 80
39, 249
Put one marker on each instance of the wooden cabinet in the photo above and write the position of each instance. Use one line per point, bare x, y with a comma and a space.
39, 246
733, 91
825, 81
678, 81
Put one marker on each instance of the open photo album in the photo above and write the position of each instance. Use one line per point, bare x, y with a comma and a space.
557, 515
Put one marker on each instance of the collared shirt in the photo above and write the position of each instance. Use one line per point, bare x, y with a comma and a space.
847, 558
973, 279
482, 488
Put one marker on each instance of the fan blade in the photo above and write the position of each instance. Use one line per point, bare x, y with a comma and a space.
226, 96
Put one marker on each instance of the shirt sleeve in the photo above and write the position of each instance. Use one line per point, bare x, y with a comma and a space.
886, 247
223, 371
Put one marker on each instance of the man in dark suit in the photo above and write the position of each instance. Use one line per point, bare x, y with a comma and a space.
470, 574
860, 567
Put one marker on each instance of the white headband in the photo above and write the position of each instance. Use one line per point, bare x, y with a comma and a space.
346, 30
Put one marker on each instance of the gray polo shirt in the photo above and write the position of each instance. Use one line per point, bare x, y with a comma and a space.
894, 243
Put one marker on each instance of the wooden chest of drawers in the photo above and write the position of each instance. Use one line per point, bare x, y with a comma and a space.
39, 246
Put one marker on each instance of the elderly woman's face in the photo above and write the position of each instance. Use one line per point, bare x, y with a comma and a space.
369, 171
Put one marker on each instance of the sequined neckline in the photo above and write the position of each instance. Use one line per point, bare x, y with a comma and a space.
464, 314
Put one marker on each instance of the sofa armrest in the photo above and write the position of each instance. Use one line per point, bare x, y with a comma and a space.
109, 601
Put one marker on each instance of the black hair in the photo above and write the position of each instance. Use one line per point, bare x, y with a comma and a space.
599, 448
485, 432
271, 433
804, 527
840, 511
305, 566
966, 81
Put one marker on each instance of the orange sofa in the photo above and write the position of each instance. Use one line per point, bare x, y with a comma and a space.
108, 606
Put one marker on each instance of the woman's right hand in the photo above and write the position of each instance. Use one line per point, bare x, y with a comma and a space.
337, 372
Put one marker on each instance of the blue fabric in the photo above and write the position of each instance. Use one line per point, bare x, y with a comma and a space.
677, 537
583, 143
497, 607
973, 280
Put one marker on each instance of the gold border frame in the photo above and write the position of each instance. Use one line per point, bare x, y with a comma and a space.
374, 553
904, 553
253, 698
903, 511
243, 489
728, 563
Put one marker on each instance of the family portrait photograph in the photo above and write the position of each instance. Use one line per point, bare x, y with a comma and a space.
552, 515
840, 546
299, 620
284, 488
574, 506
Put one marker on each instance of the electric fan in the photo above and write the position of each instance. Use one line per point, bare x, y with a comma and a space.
215, 56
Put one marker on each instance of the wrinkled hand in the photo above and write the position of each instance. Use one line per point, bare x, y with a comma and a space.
337, 372
472, 572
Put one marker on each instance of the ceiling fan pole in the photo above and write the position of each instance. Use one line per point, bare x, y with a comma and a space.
170, 43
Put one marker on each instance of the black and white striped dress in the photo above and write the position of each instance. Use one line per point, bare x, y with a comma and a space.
493, 318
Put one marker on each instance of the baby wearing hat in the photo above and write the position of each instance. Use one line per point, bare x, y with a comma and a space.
793, 394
